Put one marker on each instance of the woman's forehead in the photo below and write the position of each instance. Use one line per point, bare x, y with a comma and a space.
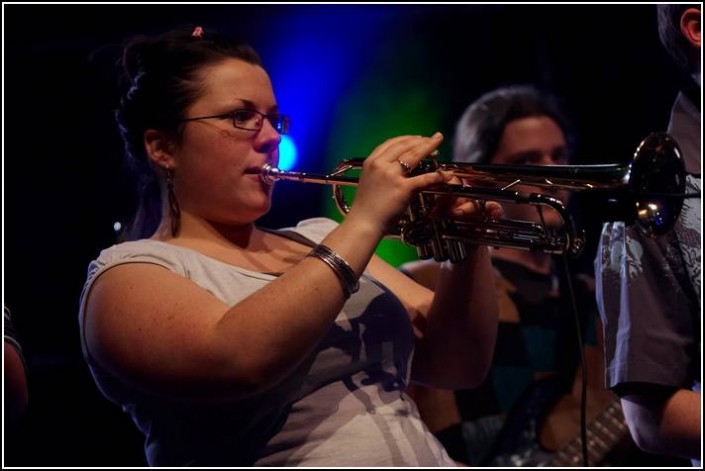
233, 81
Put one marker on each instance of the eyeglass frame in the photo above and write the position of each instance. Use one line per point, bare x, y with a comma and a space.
281, 124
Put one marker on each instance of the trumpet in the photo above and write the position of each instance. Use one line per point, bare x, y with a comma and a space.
647, 191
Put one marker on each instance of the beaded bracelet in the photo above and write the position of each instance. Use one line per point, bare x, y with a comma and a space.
340, 267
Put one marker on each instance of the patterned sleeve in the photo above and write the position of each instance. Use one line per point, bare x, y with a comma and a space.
648, 295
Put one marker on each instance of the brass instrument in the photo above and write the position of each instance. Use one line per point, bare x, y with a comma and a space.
647, 191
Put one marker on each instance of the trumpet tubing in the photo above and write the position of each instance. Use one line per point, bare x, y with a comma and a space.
647, 191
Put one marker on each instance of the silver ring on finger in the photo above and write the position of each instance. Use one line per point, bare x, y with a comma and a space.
405, 166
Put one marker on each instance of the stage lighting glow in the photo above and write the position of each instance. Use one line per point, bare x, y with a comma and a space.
287, 153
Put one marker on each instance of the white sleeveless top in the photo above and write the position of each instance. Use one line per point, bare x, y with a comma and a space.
345, 405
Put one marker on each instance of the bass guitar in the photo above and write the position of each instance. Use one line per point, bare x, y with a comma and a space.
518, 444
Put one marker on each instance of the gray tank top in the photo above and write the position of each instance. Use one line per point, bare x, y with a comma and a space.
345, 405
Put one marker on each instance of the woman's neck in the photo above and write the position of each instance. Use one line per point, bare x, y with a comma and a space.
194, 229
243, 245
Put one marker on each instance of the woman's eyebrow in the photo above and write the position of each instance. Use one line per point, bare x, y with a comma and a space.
251, 104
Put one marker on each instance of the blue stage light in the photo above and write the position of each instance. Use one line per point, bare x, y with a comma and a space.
287, 153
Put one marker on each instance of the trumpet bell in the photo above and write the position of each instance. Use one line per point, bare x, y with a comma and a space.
658, 180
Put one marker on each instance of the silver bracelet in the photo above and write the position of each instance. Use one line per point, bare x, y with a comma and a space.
341, 268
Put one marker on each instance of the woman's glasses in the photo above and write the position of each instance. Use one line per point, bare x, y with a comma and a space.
251, 120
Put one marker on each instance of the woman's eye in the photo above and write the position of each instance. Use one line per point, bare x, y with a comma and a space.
243, 116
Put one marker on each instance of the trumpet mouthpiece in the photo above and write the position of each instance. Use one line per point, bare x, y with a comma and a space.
269, 174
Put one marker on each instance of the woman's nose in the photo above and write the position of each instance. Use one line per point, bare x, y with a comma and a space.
267, 138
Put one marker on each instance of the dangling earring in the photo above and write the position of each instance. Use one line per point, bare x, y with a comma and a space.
174, 210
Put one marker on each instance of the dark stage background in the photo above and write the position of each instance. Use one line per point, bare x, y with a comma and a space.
350, 76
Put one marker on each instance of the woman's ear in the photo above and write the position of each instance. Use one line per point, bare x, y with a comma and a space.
160, 148
690, 26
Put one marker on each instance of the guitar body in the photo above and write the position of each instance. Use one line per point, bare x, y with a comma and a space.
527, 430
518, 442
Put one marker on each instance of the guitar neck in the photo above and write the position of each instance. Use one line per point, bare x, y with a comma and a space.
603, 433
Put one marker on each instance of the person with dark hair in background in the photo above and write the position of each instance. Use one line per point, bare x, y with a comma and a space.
234, 345
649, 290
15, 373
536, 356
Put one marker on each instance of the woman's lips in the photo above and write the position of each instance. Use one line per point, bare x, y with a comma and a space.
253, 170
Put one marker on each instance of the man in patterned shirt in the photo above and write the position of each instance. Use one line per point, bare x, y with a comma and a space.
648, 290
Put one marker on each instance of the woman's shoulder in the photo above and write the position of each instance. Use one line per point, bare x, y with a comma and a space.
138, 248
140, 251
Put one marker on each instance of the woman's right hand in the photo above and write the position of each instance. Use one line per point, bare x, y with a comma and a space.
384, 190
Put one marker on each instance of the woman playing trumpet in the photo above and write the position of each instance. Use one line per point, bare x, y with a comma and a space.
232, 345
